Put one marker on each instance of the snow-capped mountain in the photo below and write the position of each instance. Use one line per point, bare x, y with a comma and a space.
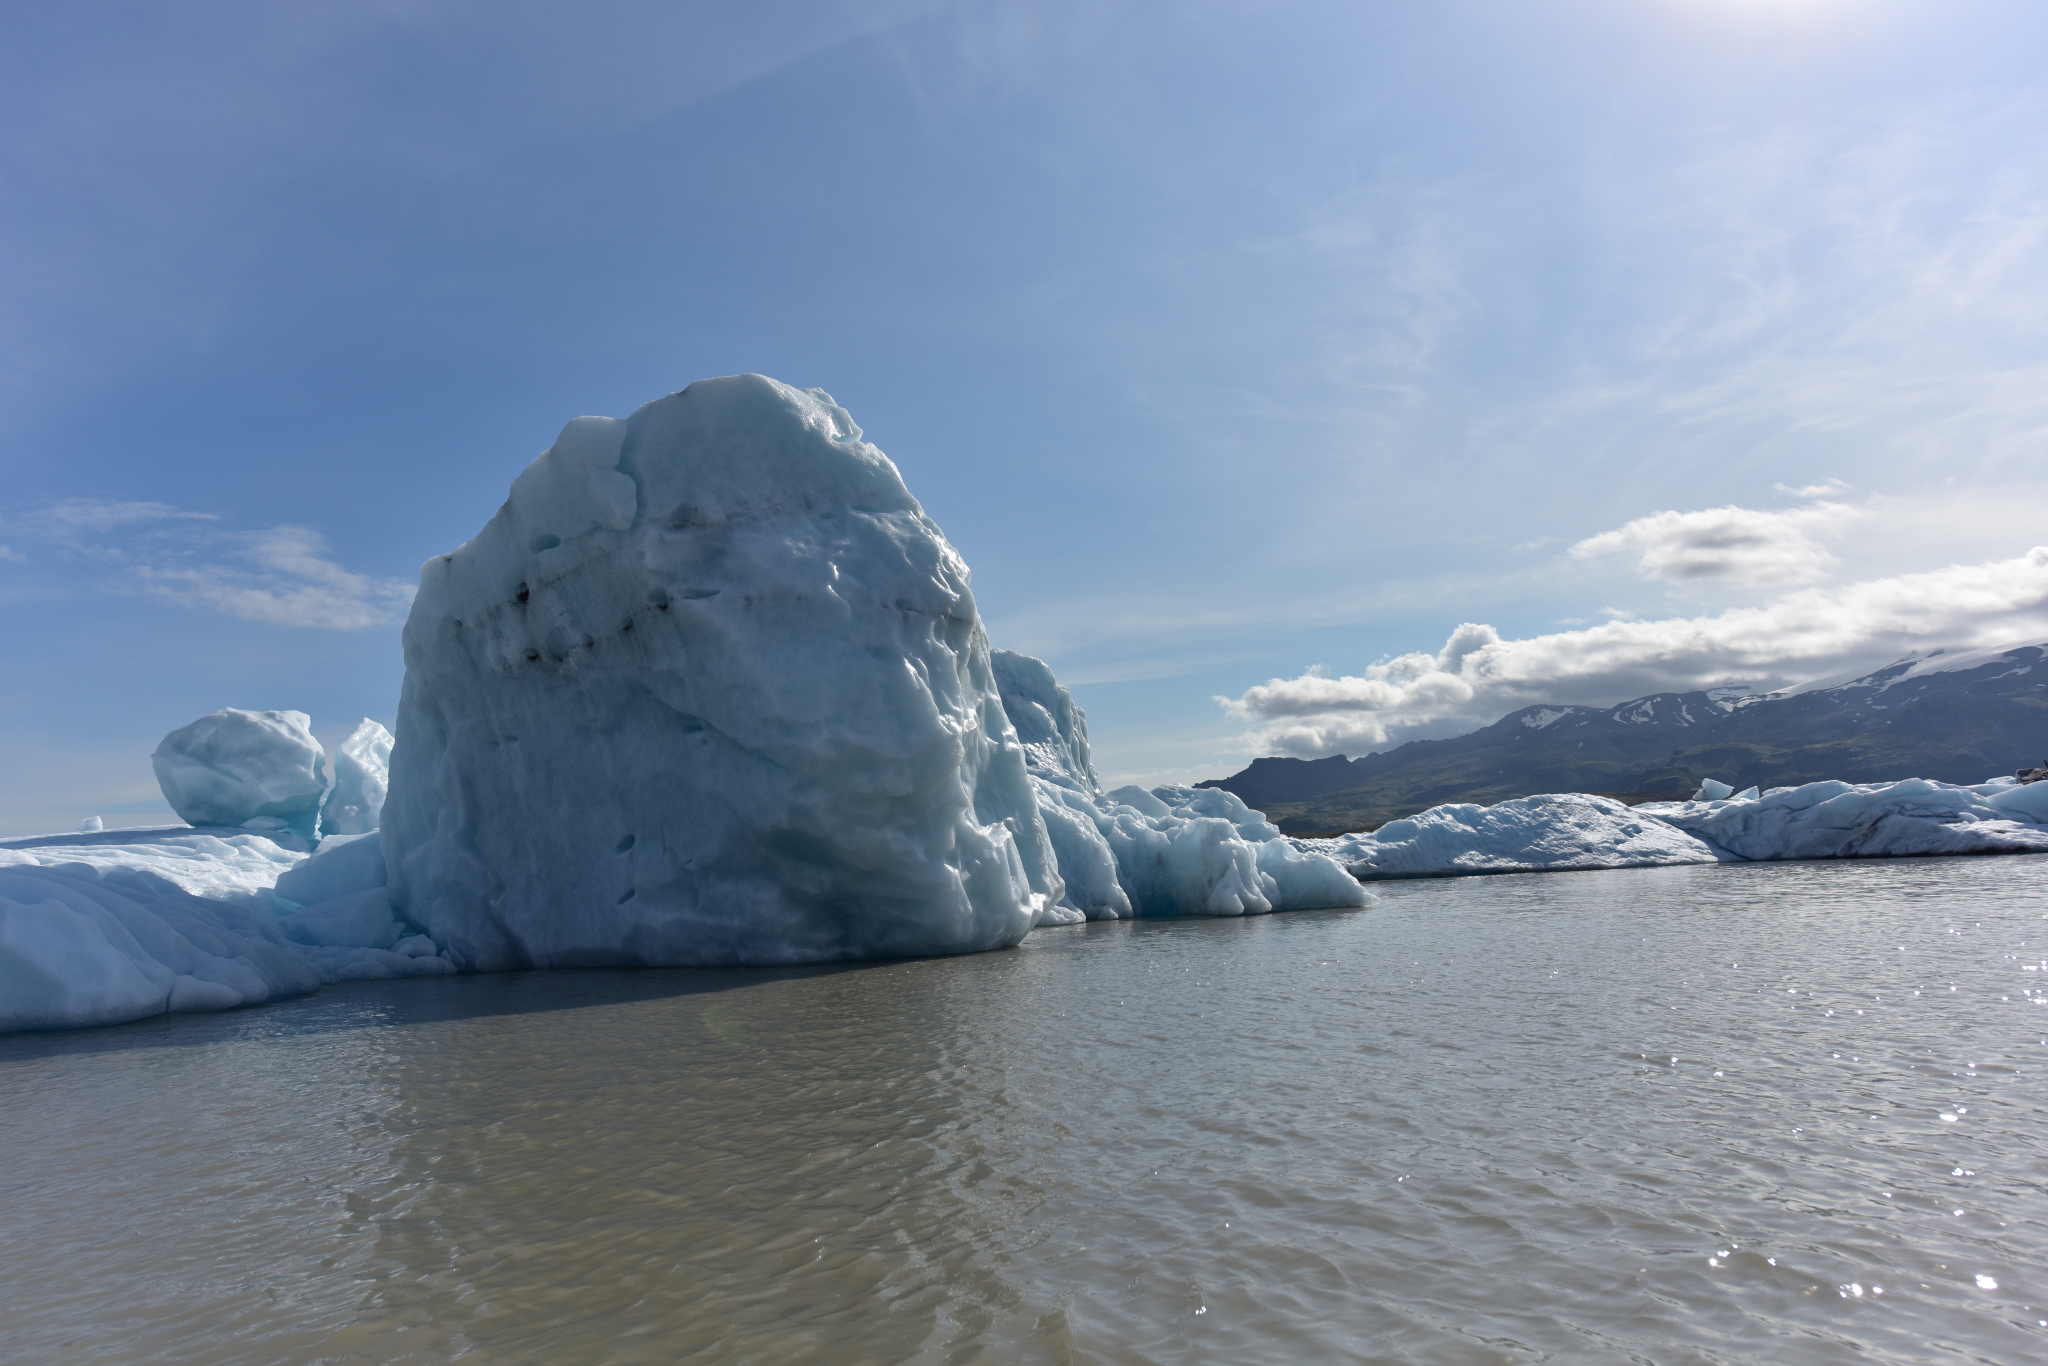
1956, 716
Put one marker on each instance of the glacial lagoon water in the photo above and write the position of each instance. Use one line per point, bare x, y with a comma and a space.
1770, 1113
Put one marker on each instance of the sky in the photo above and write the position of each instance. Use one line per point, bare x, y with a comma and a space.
1298, 377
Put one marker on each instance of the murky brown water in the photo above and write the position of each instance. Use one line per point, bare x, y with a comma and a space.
1492, 1120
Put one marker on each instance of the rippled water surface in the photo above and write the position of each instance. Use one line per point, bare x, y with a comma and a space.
1784, 1114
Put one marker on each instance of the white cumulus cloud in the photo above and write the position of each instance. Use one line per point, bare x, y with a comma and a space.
1745, 545
1478, 676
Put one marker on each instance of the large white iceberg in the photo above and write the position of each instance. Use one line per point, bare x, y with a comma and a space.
710, 688
235, 766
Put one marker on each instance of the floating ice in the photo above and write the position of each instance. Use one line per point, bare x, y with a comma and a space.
337, 898
362, 767
710, 688
1553, 832
235, 766
101, 932
1170, 851
1819, 820
1848, 820
1053, 733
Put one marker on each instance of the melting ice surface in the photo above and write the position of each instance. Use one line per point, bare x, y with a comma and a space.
712, 689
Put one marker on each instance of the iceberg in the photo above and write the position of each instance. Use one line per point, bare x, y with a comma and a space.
2027, 801
1201, 851
1570, 831
337, 898
263, 770
362, 768
711, 688
1168, 851
1870, 820
99, 932
1052, 733
1554, 832
236, 767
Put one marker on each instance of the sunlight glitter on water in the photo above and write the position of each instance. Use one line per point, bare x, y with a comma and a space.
1590, 1116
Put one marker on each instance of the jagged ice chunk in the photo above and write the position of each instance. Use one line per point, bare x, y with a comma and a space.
710, 688
362, 769
236, 766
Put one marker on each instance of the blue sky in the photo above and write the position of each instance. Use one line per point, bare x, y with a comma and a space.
1297, 377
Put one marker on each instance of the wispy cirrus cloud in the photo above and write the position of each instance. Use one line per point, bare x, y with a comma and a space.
1826, 488
91, 514
280, 575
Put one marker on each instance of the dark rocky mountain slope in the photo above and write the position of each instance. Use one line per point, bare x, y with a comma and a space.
1956, 717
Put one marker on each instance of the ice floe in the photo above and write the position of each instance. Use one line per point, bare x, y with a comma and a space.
177, 920
101, 927
1850, 820
1565, 831
710, 688
1554, 832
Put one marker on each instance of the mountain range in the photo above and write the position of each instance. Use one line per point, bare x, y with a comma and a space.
1958, 717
